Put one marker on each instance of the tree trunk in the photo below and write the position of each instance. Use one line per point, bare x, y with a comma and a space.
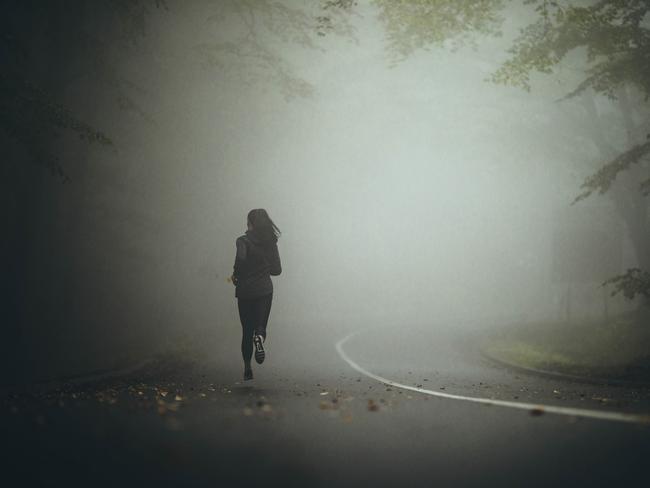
630, 202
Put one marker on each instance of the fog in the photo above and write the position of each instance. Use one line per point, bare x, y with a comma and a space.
411, 193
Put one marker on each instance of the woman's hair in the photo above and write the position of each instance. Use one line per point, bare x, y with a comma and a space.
262, 224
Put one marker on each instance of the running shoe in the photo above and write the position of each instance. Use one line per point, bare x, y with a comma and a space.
259, 348
248, 374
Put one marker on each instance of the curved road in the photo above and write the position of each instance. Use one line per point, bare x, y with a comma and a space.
310, 419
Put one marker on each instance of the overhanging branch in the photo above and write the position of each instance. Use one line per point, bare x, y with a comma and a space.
602, 180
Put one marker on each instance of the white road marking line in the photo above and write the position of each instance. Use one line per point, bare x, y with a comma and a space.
573, 412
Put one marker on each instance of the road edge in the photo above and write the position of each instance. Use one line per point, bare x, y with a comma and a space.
75, 380
533, 408
557, 375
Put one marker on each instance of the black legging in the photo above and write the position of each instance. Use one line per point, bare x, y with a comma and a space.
254, 315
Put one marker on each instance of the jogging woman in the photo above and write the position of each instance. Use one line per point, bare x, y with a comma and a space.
256, 261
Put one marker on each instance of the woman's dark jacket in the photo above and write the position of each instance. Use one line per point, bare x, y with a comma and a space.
256, 261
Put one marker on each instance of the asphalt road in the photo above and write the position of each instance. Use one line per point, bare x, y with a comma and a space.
308, 419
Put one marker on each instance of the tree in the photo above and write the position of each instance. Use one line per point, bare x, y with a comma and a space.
51, 51
32, 114
46, 47
613, 41
250, 35
617, 50
416, 24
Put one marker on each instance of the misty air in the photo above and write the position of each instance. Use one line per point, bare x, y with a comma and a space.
325, 243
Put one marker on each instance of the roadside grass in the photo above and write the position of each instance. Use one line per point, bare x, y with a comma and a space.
618, 349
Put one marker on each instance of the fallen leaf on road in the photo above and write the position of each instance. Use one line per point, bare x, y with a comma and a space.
536, 412
372, 406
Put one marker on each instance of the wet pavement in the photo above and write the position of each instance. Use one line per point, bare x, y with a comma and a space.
308, 419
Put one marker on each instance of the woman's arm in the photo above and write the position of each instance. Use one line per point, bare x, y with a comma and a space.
240, 257
276, 266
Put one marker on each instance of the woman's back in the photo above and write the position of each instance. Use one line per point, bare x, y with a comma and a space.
257, 260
